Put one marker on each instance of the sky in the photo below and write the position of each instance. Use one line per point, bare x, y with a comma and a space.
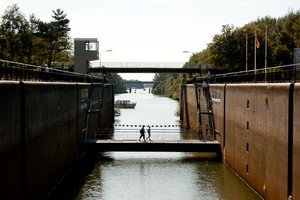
152, 30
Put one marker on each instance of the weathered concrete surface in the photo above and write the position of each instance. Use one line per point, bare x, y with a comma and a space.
252, 121
189, 104
10, 140
40, 133
218, 98
50, 131
257, 136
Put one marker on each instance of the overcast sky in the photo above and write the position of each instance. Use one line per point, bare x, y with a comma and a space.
153, 30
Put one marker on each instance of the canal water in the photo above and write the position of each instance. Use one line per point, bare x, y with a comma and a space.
152, 175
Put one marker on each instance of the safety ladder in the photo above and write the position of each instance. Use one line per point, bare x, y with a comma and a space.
206, 124
94, 108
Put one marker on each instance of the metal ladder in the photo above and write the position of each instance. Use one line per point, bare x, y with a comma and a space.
204, 108
94, 107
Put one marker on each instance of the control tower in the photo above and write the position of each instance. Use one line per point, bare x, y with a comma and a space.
85, 50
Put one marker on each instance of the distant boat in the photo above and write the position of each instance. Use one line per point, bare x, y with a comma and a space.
124, 104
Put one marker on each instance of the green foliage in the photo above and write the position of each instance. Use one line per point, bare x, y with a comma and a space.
168, 85
117, 81
33, 41
228, 49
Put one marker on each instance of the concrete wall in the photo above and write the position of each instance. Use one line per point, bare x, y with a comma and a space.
257, 126
10, 141
189, 104
40, 134
218, 98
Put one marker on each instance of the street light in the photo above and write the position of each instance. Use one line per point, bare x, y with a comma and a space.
186, 51
109, 50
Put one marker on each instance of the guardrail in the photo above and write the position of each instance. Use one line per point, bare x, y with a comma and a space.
17, 71
133, 133
284, 73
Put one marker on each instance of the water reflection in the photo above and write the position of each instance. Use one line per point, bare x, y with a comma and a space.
137, 175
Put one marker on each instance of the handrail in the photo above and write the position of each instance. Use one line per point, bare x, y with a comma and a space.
257, 70
269, 74
18, 71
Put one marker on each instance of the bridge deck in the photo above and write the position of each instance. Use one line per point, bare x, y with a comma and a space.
156, 145
145, 70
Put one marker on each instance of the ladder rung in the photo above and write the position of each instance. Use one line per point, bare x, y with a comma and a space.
94, 111
208, 113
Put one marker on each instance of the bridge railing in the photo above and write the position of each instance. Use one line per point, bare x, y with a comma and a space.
17, 71
284, 73
157, 133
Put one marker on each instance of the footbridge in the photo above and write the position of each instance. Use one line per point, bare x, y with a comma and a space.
152, 146
164, 138
144, 67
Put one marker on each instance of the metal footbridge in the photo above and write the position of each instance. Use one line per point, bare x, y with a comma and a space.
164, 138
104, 145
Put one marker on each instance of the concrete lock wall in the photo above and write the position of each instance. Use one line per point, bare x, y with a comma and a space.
254, 124
189, 104
257, 136
40, 134
10, 141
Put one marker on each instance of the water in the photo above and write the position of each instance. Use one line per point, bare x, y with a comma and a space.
152, 175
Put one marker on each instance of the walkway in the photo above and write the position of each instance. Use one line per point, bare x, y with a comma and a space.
154, 145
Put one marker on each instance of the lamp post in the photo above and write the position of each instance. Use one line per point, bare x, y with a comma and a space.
186, 51
109, 50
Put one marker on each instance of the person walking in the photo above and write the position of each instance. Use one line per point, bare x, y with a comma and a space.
142, 132
149, 133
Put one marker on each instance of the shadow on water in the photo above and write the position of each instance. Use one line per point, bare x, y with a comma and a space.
71, 184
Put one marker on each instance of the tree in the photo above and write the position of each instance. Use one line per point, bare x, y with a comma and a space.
34, 41
118, 83
14, 33
55, 33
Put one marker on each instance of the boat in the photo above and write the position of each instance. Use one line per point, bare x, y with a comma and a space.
124, 104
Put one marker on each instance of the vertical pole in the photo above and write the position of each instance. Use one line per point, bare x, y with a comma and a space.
255, 36
246, 53
266, 52
290, 140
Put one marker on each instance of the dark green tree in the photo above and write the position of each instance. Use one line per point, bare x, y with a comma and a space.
14, 34
118, 83
56, 34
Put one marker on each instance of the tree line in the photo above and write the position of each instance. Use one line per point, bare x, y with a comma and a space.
34, 41
227, 50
